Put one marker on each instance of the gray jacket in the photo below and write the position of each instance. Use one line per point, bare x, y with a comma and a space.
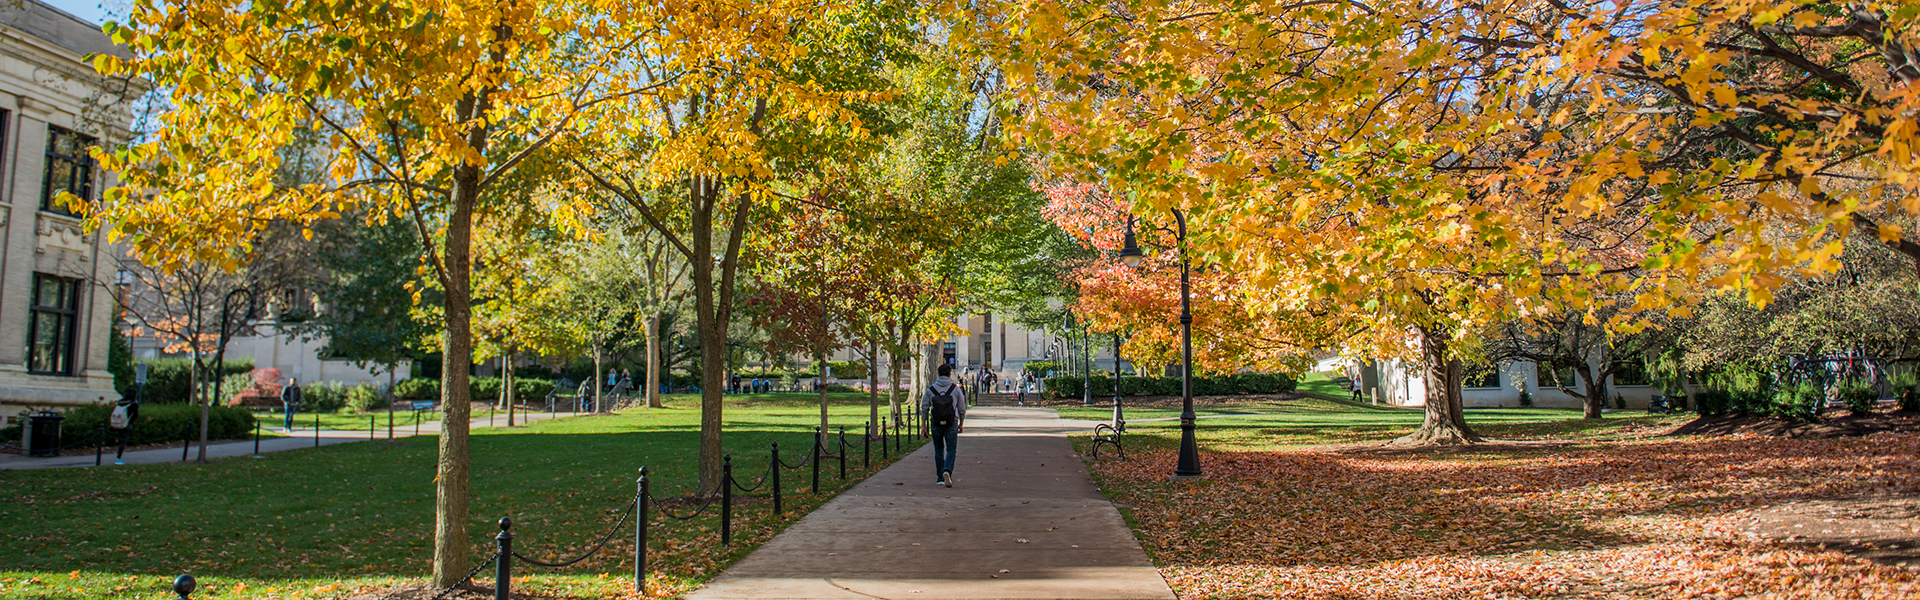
940, 386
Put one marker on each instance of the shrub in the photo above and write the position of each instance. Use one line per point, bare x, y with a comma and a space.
1526, 400
1225, 385
1903, 382
418, 388
1619, 402
836, 387
325, 397
845, 369
365, 397
168, 379
1041, 368
1713, 403
525, 389
1859, 397
156, 421
1801, 402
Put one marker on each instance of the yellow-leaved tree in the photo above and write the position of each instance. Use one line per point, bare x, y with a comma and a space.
425, 105
1435, 168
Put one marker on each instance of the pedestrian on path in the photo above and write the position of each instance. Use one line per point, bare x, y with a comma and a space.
946, 411
121, 420
290, 399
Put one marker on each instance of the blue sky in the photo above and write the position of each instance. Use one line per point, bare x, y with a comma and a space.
86, 9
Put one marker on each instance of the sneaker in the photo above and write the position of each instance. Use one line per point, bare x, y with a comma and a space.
946, 479
119, 462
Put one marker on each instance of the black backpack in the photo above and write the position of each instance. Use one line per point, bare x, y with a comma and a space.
942, 403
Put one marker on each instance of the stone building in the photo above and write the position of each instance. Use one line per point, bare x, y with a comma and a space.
56, 280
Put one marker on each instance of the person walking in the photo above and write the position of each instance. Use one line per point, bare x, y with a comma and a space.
121, 421
290, 399
1357, 391
946, 409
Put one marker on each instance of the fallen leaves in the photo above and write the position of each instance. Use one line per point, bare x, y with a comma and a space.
1659, 518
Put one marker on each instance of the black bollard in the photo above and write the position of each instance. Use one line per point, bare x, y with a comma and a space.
866, 448
726, 500
316, 430
816, 461
99, 444
183, 586
503, 568
389, 423
186, 439
885, 453
373, 427
842, 452
256, 437
640, 538
776, 478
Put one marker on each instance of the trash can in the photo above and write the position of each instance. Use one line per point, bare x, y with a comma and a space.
44, 433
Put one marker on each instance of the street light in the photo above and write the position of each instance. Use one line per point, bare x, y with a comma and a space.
1189, 466
220, 357
1086, 363
1119, 421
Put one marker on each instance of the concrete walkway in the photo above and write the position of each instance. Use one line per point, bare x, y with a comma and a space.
1022, 521
297, 439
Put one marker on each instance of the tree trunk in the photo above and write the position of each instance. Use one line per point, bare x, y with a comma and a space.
506, 387
820, 366
711, 315
1445, 422
894, 393
598, 378
653, 361
451, 480
206, 404
873, 384
1596, 395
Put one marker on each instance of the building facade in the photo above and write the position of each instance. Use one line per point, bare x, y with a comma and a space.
57, 308
1398, 382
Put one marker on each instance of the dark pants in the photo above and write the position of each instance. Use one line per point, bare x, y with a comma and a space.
945, 441
289, 417
125, 434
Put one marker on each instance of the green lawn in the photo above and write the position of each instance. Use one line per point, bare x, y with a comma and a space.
1323, 415
321, 523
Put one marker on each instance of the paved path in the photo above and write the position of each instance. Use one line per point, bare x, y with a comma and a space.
1022, 521
298, 438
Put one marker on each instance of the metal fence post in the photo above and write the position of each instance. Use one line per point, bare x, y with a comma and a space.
776, 468
640, 538
726, 500
816, 461
256, 437
866, 448
373, 427
185, 441
99, 443
885, 453
183, 587
389, 422
503, 568
842, 452
316, 430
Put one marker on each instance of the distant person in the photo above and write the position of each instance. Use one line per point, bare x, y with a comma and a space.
121, 420
290, 399
585, 393
946, 409
1357, 391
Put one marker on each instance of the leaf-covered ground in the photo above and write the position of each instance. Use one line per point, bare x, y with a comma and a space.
342, 520
1618, 514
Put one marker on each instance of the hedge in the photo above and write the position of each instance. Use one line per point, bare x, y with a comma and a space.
1227, 385
155, 420
168, 382
525, 389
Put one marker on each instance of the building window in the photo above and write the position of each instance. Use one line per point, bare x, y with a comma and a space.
6, 121
50, 333
69, 169
1632, 373
1480, 376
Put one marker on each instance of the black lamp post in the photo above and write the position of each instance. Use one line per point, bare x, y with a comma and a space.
1189, 466
1119, 421
1085, 357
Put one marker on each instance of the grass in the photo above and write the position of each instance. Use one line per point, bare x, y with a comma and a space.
325, 522
1323, 415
